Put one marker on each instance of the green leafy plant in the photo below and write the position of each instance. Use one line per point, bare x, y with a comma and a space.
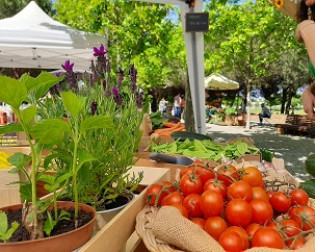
6, 232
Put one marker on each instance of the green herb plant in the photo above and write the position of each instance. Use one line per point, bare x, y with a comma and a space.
49, 134
6, 232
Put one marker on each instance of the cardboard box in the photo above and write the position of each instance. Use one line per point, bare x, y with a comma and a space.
119, 234
9, 193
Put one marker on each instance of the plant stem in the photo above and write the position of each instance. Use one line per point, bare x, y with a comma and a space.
33, 174
74, 171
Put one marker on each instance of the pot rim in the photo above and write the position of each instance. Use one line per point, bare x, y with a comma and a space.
116, 208
55, 236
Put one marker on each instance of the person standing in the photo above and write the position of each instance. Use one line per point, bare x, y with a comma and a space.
265, 113
162, 105
177, 103
182, 107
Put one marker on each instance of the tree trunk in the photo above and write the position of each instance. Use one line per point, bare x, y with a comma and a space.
248, 106
284, 99
189, 113
287, 109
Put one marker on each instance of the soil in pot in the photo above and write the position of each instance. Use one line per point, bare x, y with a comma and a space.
61, 227
61, 240
111, 210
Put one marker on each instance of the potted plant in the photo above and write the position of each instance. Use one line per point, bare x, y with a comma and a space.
105, 181
42, 218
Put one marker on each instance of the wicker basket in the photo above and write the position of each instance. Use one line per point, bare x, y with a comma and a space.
146, 221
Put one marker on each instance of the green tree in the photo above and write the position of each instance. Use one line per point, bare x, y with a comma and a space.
9, 8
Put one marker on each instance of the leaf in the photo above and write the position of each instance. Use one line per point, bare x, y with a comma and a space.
11, 128
19, 160
96, 122
199, 146
28, 114
49, 179
242, 147
50, 131
41, 84
10, 232
74, 104
84, 157
12, 91
63, 178
26, 192
3, 223
49, 224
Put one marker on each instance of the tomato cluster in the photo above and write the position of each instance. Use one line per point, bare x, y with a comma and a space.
235, 209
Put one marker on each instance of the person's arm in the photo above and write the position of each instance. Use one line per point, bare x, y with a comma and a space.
308, 99
305, 32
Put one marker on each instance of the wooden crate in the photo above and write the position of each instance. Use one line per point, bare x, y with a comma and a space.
119, 234
9, 194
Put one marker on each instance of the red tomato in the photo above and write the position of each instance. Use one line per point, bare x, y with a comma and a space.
238, 212
296, 243
242, 233
192, 204
181, 209
299, 197
174, 197
231, 241
199, 221
305, 217
215, 185
190, 184
169, 186
267, 237
186, 170
252, 228
215, 226
211, 203
262, 211
252, 175
155, 195
291, 227
240, 190
259, 193
227, 174
272, 224
204, 174
270, 193
280, 202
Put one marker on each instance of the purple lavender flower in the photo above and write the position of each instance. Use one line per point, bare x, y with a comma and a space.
107, 91
91, 80
101, 51
115, 91
70, 75
104, 84
58, 74
118, 99
133, 78
139, 100
94, 107
68, 66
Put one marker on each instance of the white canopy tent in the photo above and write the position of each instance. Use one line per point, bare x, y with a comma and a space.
220, 82
32, 39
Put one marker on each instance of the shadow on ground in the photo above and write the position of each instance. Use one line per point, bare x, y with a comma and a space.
293, 149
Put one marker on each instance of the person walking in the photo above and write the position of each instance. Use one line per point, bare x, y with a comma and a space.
265, 113
182, 108
177, 109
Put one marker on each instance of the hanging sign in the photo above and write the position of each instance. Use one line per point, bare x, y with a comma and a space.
197, 22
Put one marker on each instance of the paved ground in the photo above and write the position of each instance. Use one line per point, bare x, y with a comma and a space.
293, 149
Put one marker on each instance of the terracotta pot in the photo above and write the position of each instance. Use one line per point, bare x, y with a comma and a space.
65, 242
105, 216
